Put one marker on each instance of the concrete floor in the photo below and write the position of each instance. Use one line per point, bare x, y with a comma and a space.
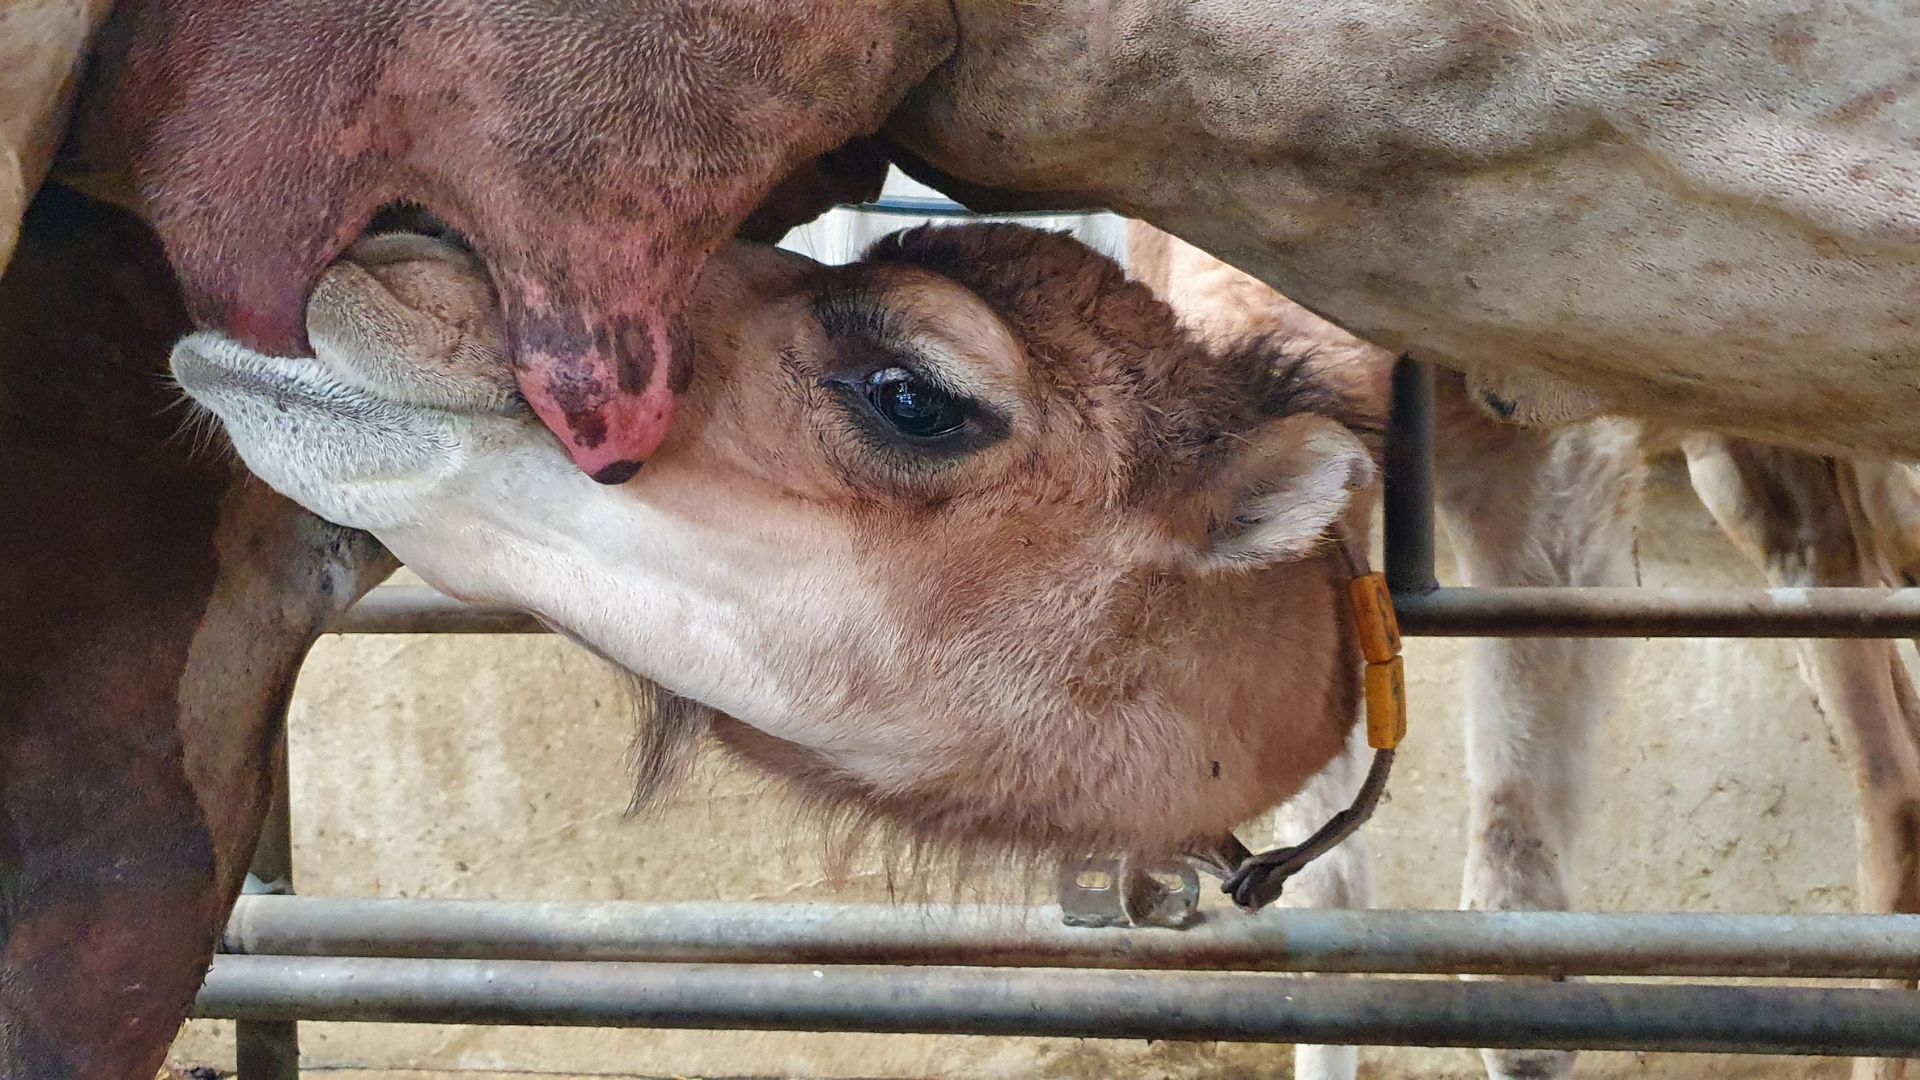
491, 767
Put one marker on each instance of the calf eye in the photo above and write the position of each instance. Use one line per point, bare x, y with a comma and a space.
915, 407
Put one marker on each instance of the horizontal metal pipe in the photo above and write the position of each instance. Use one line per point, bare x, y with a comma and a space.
416, 609
1629, 612
1399, 942
1451, 612
1081, 1004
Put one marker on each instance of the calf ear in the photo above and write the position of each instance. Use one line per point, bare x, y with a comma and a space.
1278, 492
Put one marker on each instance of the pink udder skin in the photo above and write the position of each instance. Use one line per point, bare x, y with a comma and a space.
608, 439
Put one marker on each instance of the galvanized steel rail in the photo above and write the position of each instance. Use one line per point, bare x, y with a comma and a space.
1081, 1004
1451, 612
1549, 943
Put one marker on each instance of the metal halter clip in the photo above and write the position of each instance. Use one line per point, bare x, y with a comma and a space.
1104, 890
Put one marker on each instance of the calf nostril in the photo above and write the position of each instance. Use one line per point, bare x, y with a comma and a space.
618, 473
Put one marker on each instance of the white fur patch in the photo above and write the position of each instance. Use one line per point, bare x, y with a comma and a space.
1294, 509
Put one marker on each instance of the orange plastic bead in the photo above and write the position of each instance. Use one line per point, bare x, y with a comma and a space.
1386, 685
1373, 617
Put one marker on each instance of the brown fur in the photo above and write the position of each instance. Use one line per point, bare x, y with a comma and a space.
1163, 411
1084, 322
1142, 421
154, 606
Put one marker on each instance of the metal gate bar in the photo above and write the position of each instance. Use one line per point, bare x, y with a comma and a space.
1081, 1004
270, 1049
1594, 611
1550, 943
1406, 499
1449, 612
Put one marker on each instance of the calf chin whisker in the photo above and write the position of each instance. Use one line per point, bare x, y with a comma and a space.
922, 851
920, 859
666, 741
199, 431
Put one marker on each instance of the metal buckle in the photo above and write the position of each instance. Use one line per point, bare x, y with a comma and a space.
1105, 890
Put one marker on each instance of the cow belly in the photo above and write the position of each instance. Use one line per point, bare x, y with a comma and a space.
1658, 298
1706, 212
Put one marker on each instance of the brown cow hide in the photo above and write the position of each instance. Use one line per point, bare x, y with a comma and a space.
155, 604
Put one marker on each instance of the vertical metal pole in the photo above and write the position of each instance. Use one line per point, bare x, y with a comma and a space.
270, 1049
1409, 482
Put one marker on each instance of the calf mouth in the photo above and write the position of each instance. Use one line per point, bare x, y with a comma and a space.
426, 265
369, 373
221, 374
352, 429
214, 370
406, 217
342, 451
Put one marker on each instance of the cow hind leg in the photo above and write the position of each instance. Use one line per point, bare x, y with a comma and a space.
154, 605
1535, 508
1896, 866
1886, 516
1800, 517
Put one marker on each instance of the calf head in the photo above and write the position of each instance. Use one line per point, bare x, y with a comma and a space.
594, 154
969, 538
